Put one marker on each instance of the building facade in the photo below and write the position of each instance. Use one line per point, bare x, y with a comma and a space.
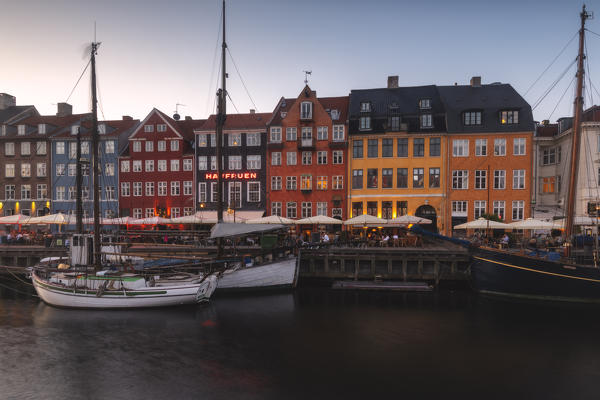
397, 153
307, 155
244, 173
156, 168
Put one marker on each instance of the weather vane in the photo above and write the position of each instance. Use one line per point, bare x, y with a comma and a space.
306, 74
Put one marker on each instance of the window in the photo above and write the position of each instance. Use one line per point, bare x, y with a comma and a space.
276, 208
125, 189
321, 208
357, 208
518, 179
188, 211
275, 134
213, 140
434, 177
253, 192
551, 155
387, 147
253, 139
174, 165
424, 104
481, 147
253, 162
60, 193
109, 169
9, 149
202, 198
161, 128
72, 169
548, 184
402, 178
25, 192
401, 208
149, 146
460, 179
42, 129
499, 179
162, 188
394, 123
188, 164
338, 133
509, 117
174, 210
41, 169
307, 134
202, 139
321, 183
137, 165
41, 148
60, 170
373, 148
148, 128
290, 209
187, 188
9, 192
518, 207
357, 179
499, 208
109, 147
357, 148
275, 183
306, 110
110, 192
365, 123
72, 149
306, 158
137, 146
426, 121
26, 170
500, 147
291, 134
387, 178
174, 145
481, 179
337, 182
418, 147
276, 158
322, 133
460, 148
101, 129
234, 139
60, 148
291, 157
402, 147
162, 145
162, 165
459, 208
306, 209
25, 148
435, 145
149, 165
519, 146
418, 178
175, 188
85, 147
472, 118
306, 182
137, 189
372, 208
137, 213
365, 106
149, 213
479, 208
338, 157
42, 191
290, 183
321, 157
372, 182
20, 130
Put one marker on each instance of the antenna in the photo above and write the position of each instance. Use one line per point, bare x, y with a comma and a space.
306, 74
176, 116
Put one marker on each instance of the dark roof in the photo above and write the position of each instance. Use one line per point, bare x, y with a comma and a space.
237, 121
592, 114
490, 99
114, 128
283, 106
188, 126
546, 130
13, 111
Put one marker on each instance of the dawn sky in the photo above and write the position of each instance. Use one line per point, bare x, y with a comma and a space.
159, 53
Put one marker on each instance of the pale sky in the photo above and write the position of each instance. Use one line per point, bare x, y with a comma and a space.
159, 53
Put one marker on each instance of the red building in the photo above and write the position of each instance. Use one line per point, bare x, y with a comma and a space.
156, 170
306, 155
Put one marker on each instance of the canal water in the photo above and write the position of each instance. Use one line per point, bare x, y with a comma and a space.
314, 343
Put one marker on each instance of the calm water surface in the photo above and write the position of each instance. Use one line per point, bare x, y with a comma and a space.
312, 344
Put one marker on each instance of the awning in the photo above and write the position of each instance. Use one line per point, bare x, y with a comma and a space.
228, 229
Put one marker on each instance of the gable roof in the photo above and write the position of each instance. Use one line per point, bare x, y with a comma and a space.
114, 127
340, 104
13, 114
237, 122
283, 106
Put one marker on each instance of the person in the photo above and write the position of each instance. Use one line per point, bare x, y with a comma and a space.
505, 241
325, 238
385, 239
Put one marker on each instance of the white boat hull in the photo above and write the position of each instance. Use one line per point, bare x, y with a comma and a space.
163, 296
278, 274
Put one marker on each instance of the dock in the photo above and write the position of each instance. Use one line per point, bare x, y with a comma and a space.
386, 286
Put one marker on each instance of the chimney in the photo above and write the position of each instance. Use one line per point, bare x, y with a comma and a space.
188, 118
252, 111
6, 101
476, 81
64, 109
392, 82
127, 118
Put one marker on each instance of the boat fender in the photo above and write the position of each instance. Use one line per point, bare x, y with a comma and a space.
101, 289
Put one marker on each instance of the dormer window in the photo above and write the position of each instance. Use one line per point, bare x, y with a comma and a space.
365, 106
472, 118
42, 129
335, 115
74, 129
283, 114
20, 130
425, 104
306, 110
148, 128
509, 117
102, 129
426, 121
3, 131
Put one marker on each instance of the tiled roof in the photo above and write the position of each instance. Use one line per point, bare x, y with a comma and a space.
237, 121
546, 130
114, 128
11, 112
337, 103
283, 106
188, 126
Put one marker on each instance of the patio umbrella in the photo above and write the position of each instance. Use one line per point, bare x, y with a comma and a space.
150, 221
271, 219
409, 219
13, 219
531, 224
365, 219
482, 223
318, 220
58, 219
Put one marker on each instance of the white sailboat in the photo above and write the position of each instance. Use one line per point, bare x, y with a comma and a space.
82, 283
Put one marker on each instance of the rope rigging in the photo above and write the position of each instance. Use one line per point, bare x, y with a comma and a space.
547, 92
241, 79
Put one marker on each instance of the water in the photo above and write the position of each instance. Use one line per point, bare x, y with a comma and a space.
313, 344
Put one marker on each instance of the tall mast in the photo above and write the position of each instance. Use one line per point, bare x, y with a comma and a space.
79, 183
575, 140
221, 116
95, 155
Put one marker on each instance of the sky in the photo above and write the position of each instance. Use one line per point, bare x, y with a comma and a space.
156, 54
